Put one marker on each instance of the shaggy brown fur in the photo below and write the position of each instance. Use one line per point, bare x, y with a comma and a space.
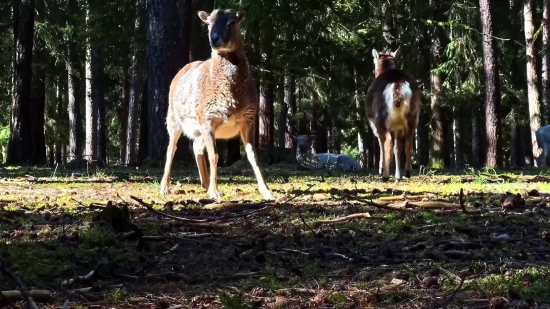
393, 108
214, 99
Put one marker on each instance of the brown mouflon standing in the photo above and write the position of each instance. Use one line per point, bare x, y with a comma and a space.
214, 99
393, 108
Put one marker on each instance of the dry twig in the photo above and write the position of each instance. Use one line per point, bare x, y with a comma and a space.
200, 222
343, 219
371, 203
464, 210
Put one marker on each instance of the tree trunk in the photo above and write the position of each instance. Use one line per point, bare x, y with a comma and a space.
20, 143
124, 111
143, 123
545, 71
233, 150
74, 82
477, 134
266, 111
362, 123
457, 140
91, 110
98, 96
38, 99
60, 91
493, 155
439, 43
282, 120
135, 91
163, 56
529, 7
290, 102
266, 116
183, 27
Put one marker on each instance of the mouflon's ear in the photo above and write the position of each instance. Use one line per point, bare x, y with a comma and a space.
397, 53
241, 15
203, 16
375, 54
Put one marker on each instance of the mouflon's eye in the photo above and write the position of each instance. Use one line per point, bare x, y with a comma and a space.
232, 23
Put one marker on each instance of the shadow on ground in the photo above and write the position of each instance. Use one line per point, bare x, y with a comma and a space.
282, 254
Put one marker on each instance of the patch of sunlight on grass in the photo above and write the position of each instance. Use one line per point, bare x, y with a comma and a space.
533, 282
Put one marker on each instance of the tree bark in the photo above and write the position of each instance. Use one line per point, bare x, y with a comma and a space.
529, 7
20, 143
493, 149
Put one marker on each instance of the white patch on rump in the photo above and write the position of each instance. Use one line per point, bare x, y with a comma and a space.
397, 120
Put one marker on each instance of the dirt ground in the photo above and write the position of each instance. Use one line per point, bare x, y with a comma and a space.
107, 239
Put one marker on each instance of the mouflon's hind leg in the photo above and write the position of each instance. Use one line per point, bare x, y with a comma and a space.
409, 140
397, 142
172, 146
247, 136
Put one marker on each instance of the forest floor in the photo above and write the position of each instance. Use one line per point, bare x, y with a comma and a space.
416, 244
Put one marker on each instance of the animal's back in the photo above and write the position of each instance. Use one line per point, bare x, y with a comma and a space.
392, 96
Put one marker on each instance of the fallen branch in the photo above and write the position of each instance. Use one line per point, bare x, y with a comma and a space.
450, 300
181, 237
371, 203
6, 302
300, 213
233, 206
23, 288
342, 219
38, 295
199, 222
86, 278
426, 205
403, 197
464, 210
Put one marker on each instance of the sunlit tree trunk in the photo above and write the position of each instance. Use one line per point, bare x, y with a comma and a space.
91, 111
124, 110
74, 82
136, 73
